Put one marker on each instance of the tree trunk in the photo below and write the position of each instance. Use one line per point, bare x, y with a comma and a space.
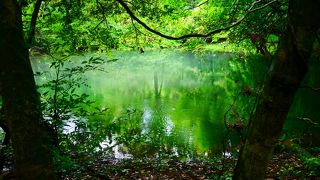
21, 103
286, 73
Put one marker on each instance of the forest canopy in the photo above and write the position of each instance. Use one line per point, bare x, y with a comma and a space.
102, 25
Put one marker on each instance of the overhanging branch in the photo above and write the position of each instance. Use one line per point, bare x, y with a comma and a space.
249, 11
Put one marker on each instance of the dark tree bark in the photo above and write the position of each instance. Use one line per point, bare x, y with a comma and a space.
21, 103
34, 21
287, 71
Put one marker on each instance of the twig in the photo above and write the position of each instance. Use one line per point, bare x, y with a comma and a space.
228, 130
261, 7
99, 24
136, 30
198, 5
234, 10
225, 114
225, 121
308, 120
135, 27
202, 3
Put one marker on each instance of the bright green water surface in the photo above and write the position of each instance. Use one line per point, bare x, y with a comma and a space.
178, 102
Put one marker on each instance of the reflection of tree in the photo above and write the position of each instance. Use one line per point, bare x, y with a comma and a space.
157, 86
158, 121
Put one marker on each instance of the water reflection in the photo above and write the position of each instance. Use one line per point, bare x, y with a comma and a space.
182, 112
116, 152
167, 102
146, 118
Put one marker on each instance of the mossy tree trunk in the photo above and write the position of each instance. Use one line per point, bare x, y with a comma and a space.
21, 104
287, 71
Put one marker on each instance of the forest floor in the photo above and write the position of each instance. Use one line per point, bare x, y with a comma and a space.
282, 166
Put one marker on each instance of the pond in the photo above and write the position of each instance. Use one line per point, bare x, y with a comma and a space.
172, 102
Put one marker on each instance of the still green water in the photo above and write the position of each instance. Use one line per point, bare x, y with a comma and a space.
171, 102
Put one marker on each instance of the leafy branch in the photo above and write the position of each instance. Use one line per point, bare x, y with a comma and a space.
249, 11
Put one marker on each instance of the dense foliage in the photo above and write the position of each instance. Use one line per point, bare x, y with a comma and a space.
67, 26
